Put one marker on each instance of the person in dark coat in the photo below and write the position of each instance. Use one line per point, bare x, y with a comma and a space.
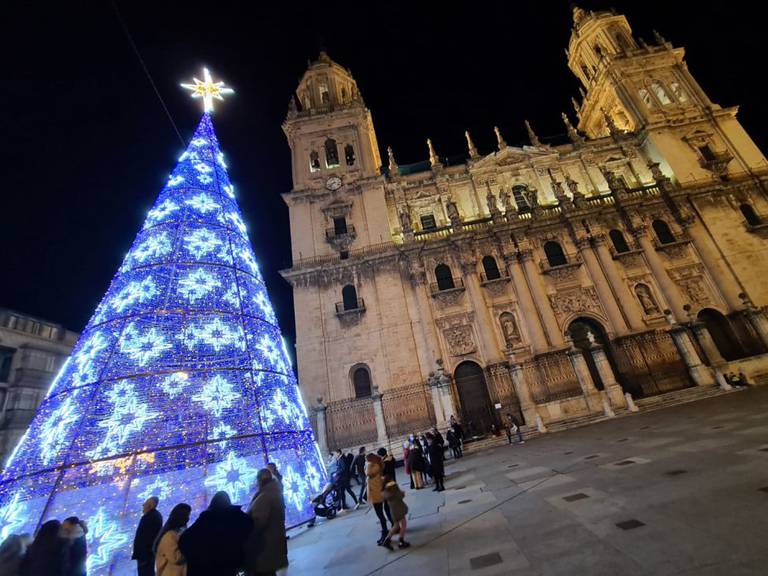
453, 443
149, 527
358, 467
73, 531
513, 427
436, 459
213, 545
458, 431
267, 510
416, 464
46, 556
12, 552
388, 463
342, 481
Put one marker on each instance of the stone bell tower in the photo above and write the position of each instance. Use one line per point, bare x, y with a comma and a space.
631, 86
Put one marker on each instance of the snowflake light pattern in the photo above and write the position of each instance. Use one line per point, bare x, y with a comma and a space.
234, 475
197, 284
216, 395
179, 385
104, 539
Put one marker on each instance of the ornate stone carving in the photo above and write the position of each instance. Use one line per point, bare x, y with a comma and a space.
509, 329
446, 298
405, 220
692, 283
563, 274
453, 213
574, 300
460, 340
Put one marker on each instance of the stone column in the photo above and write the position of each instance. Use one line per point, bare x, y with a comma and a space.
588, 389
668, 287
441, 418
630, 305
444, 388
707, 344
322, 435
701, 374
528, 313
602, 287
612, 387
725, 281
543, 305
523, 392
488, 345
378, 413
756, 318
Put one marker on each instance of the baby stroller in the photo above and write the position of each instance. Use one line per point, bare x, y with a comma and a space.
327, 504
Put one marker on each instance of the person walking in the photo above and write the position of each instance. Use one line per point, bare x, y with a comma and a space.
213, 544
458, 431
453, 442
46, 556
374, 470
73, 531
169, 561
267, 511
149, 527
388, 461
513, 427
416, 464
396, 500
358, 468
342, 482
436, 459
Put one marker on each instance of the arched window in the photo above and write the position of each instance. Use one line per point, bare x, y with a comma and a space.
349, 154
325, 96
750, 215
585, 71
491, 268
555, 254
663, 233
349, 297
661, 94
331, 153
646, 97
678, 91
444, 277
599, 51
519, 191
619, 243
314, 161
622, 41
361, 380
343, 94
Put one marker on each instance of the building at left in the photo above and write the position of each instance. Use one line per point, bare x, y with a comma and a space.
31, 352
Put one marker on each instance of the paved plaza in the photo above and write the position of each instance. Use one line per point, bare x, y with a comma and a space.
680, 491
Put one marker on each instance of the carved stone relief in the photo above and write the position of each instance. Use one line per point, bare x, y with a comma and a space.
574, 300
458, 333
691, 281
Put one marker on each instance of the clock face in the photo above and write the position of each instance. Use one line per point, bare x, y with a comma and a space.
333, 183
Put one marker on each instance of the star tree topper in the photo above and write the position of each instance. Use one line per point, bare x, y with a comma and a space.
208, 90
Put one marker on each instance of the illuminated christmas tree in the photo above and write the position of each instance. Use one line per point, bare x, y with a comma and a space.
179, 386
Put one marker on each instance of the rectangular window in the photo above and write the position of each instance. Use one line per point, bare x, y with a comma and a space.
340, 226
428, 222
6, 359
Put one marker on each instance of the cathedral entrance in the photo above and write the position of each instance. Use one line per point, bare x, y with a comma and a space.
476, 410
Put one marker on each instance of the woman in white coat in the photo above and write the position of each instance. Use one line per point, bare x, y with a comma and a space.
169, 560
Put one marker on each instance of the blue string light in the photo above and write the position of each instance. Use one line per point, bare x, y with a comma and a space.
179, 386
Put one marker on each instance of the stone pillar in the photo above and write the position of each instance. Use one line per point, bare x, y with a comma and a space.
630, 304
528, 313
588, 389
441, 418
382, 439
543, 305
607, 409
322, 434
631, 406
602, 287
707, 344
701, 374
523, 392
604, 368
488, 345
757, 319
725, 280
444, 388
668, 288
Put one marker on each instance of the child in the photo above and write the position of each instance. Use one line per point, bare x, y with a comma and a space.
394, 497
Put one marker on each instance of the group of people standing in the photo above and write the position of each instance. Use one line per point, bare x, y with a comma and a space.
222, 541
424, 459
58, 549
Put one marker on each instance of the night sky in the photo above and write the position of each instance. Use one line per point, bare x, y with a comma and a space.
87, 145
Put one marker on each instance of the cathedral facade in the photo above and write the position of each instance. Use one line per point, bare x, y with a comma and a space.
551, 281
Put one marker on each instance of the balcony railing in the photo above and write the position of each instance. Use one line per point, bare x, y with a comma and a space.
455, 284
359, 308
500, 276
332, 233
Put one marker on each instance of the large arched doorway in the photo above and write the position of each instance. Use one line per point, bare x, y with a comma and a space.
722, 333
476, 410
